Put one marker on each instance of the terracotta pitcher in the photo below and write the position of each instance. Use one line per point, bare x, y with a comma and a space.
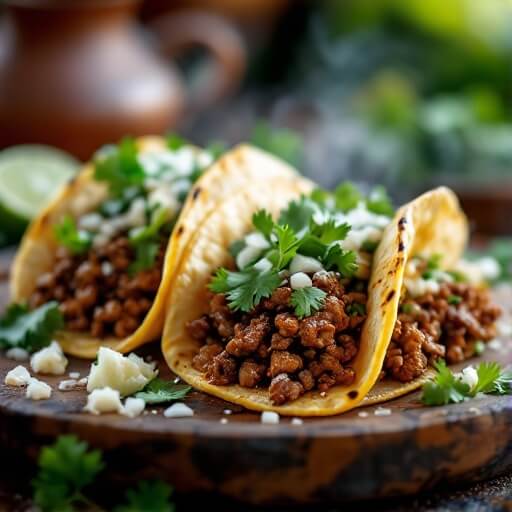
79, 73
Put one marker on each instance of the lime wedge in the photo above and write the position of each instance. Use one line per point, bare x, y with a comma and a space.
29, 177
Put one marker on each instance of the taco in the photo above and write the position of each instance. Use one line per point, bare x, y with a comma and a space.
107, 247
337, 303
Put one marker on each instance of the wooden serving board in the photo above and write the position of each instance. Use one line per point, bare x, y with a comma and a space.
331, 459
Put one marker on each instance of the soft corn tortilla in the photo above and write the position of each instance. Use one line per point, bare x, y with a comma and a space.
431, 224
232, 173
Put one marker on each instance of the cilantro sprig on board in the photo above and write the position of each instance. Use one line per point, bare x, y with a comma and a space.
447, 388
67, 468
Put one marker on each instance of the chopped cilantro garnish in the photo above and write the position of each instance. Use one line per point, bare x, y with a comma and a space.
298, 214
447, 388
119, 166
369, 246
379, 202
262, 221
65, 469
454, 299
343, 261
479, 347
175, 142
307, 300
356, 308
30, 330
145, 256
347, 196
434, 262
245, 289
236, 247
148, 496
407, 308
458, 277
67, 234
216, 149
159, 391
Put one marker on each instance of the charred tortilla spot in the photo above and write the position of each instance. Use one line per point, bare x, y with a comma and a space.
389, 296
401, 246
196, 193
180, 230
401, 223
352, 394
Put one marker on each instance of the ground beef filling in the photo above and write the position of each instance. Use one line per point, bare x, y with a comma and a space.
96, 291
272, 348
434, 327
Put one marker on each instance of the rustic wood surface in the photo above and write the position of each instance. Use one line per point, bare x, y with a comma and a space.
324, 460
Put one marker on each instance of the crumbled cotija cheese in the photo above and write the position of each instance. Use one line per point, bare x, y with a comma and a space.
126, 374
178, 410
67, 385
270, 417
133, 407
74, 375
17, 354
104, 400
38, 390
18, 376
49, 360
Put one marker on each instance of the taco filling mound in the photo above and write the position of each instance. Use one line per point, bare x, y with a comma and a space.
336, 295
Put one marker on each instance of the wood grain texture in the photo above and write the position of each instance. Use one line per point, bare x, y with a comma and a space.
330, 459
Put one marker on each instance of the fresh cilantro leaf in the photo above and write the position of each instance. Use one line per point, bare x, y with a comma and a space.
255, 287
148, 496
379, 202
407, 308
219, 282
75, 240
298, 214
331, 231
158, 391
454, 299
262, 221
159, 218
356, 308
343, 261
488, 374
31, 330
236, 247
321, 197
307, 300
175, 142
479, 347
65, 469
119, 166
503, 384
216, 148
444, 388
312, 246
287, 244
458, 277
145, 257
369, 246
347, 196
434, 262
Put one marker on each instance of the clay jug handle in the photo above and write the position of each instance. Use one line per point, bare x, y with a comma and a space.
180, 31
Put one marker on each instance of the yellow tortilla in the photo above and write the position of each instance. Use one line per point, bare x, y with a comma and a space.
431, 224
233, 172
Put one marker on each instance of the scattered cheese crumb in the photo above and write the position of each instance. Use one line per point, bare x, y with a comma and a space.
154, 411
82, 381
104, 400
223, 420
269, 417
126, 374
300, 280
49, 360
363, 414
474, 410
38, 390
296, 421
177, 380
17, 354
228, 411
18, 376
468, 376
504, 328
74, 375
133, 407
323, 394
495, 345
67, 385
382, 411
178, 410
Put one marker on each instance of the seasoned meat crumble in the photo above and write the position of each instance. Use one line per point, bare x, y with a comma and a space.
272, 348
444, 325
96, 291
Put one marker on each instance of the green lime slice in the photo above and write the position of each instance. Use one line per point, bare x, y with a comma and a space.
29, 177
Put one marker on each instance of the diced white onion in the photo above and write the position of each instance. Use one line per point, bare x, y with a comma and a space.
263, 265
178, 410
90, 221
247, 255
302, 263
38, 390
256, 240
269, 417
300, 280
18, 376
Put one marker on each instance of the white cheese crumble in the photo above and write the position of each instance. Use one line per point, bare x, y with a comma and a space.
104, 400
269, 418
74, 375
82, 381
296, 421
133, 407
247, 255
49, 360
18, 376
263, 265
469, 376
477, 271
178, 410
504, 328
223, 421
420, 286
17, 354
107, 268
256, 240
300, 280
124, 374
495, 345
382, 411
363, 414
301, 263
228, 411
38, 390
